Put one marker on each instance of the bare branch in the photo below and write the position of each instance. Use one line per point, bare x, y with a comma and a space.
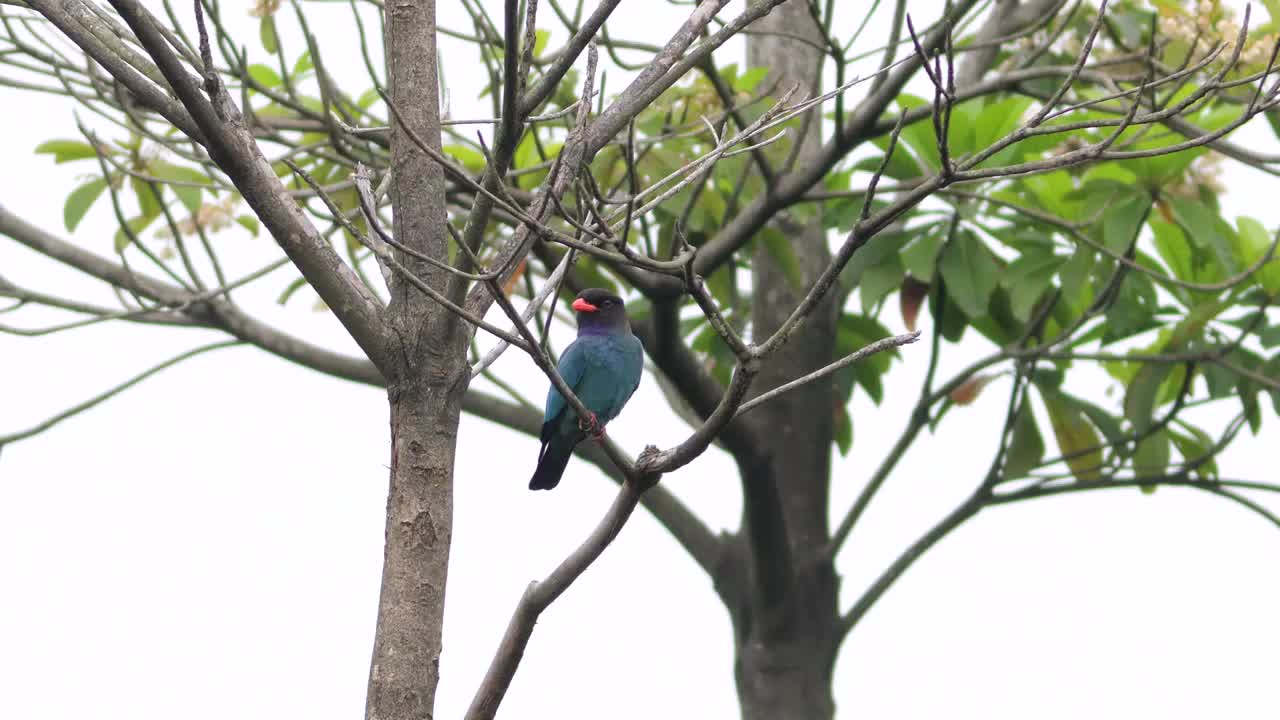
539, 595
164, 313
216, 312
386, 257
536, 95
78, 29
553, 281
861, 354
951, 521
108, 394
568, 164
232, 146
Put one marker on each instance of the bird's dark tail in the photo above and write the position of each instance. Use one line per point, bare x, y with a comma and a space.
551, 463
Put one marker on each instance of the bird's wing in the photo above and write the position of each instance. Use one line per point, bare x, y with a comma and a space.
572, 367
614, 373
636, 365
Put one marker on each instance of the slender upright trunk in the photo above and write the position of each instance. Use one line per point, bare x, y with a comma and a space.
428, 379
787, 634
406, 655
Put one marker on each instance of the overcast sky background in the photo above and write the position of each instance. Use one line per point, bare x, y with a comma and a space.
208, 545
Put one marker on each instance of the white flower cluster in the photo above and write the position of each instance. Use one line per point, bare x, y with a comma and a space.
1258, 52
211, 216
1212, 22
264, 8
1205, 172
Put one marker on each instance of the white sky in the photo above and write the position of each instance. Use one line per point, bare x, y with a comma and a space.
208, 545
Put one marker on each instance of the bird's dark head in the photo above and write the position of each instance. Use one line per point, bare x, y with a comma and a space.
600, 309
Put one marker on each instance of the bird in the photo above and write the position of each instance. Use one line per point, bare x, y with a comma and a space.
602, 367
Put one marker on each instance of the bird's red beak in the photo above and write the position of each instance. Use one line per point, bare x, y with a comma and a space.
583, 306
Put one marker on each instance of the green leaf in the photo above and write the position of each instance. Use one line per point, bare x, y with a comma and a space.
852, 333
540, 38
719, 357
843, 430
1026, 445
1206, 230
1028, 278
1074, 277
79, 202
368, 98
971, 273
1052, 191
1105, 185
267, 34
748, 80
780, 249
1194, 446
1157, 171
901, 165
527, 156
879, 281
302, 65
1141, 395
189, 196
919, 135
1273, 9
137, 225
264, 75
1121, 221
66, 150
1273, 118
1152, 455
1246, 388
1101, 419
999, 325
997, 120
880, 249
1221, 381
729, 73
1133, 310
1272, 370
1049, 378
1269, 336
1171, 244
1077, 439
290, 289
640, 309
951, 318
966, 117
920, 255
472, 160
592, 272
177, 173
1252, 410
720, 284
148, 200
1252, 243
248, 222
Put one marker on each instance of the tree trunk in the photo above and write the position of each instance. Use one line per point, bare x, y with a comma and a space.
787, 634
406, 654
428, 354
784, 659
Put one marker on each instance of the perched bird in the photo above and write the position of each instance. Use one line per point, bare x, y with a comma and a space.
603, 368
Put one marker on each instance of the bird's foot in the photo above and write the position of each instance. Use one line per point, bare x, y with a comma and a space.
591, 426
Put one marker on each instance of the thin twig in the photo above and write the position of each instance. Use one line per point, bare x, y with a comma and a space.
108, 394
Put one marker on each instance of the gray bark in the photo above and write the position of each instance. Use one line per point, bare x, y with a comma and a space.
780, 584
786, 630
428, 377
